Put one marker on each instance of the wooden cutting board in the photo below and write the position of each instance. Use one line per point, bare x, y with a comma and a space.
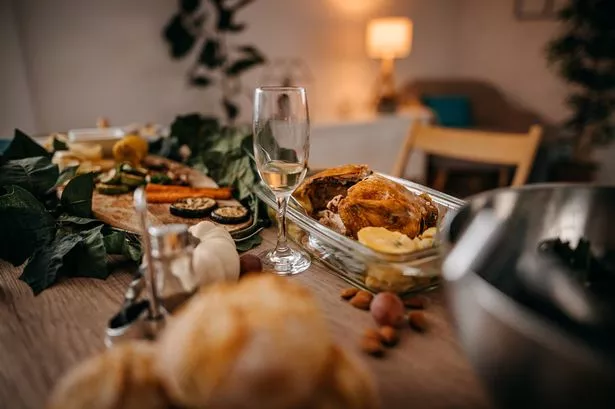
118, 210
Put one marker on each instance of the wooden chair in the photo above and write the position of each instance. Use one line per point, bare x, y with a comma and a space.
511, 149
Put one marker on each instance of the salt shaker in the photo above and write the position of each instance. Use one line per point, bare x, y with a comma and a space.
171, 247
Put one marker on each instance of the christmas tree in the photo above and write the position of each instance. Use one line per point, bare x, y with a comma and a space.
584, 55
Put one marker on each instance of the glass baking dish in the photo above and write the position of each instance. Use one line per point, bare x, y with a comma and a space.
371, 270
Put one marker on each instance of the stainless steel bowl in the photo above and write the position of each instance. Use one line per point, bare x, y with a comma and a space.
526, 355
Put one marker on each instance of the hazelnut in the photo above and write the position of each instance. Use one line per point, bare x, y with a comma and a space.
249, 263
387, 309
361, 300
417, 321
388, 335
417, 302
348, 293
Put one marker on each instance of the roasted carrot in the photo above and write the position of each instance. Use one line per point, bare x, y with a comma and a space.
160, 191
172, 197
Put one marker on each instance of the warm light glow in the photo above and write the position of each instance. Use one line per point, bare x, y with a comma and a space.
389, 37
358, 7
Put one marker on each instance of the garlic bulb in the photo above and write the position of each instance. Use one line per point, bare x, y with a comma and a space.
215, 258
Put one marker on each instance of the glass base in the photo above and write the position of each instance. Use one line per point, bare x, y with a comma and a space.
287, 263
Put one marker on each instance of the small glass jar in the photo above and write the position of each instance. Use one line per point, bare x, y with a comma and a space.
172, 248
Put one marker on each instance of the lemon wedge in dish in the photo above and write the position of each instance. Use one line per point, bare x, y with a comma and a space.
386, 241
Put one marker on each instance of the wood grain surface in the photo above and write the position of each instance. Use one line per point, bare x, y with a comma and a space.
118, 210
42, 337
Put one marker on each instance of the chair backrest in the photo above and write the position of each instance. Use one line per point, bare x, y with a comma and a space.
471, 145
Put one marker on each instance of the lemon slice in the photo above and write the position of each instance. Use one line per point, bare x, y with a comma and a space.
386, 241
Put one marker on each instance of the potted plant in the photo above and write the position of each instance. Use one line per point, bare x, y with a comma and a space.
584, 56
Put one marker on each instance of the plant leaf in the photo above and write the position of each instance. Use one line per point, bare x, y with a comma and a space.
37, 174
59, 145
232, 111
244, 64
77, 195
116, 242
44, 266
67, 174
22, 146
91, 258
211, 54
200, 80
179, 38
26, 225
248, 244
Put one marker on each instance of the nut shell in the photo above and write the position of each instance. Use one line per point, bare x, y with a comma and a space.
388, 309
362, 300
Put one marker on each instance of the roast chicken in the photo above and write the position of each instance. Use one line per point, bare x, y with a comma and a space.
350, 198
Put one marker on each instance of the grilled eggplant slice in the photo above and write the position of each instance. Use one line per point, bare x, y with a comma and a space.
230, 215
192, 208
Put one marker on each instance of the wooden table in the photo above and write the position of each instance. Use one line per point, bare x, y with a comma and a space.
42, 337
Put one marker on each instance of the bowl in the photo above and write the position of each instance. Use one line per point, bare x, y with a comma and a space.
528, 352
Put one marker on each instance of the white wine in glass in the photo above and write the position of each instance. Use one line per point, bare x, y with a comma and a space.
281, 149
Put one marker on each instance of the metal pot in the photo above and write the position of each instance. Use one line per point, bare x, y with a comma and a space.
537, 336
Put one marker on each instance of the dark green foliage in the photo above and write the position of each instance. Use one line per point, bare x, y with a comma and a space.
71, 244
584, 55
186, 28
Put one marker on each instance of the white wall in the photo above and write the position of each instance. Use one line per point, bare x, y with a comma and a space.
492, 45
15, 102
86, 59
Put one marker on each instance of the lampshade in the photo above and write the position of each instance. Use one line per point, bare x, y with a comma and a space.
389, 37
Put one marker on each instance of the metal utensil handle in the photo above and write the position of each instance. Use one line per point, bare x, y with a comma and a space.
140, 203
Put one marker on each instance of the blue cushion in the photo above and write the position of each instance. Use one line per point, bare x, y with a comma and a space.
450, 110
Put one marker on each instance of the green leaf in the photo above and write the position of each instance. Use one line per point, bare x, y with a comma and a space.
22, 146
59, 145
37, 174
26, 225
43, 269
240, 66
77, 195
117, 242
91, 258
248, 244
212, 55
67, 174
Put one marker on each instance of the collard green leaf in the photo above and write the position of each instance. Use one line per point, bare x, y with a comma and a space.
67, 174
59, 145
248, 244
43, 268
77, 196
91, 258
37, 174
22, 146
25, 225
117, 242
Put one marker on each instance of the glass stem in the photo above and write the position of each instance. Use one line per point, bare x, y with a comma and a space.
281, 247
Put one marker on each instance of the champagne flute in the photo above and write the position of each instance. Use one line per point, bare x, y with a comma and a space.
281, 149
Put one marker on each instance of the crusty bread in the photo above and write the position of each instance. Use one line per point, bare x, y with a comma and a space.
120, 378
259, 343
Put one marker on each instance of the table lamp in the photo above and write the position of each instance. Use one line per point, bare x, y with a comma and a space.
387, 39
